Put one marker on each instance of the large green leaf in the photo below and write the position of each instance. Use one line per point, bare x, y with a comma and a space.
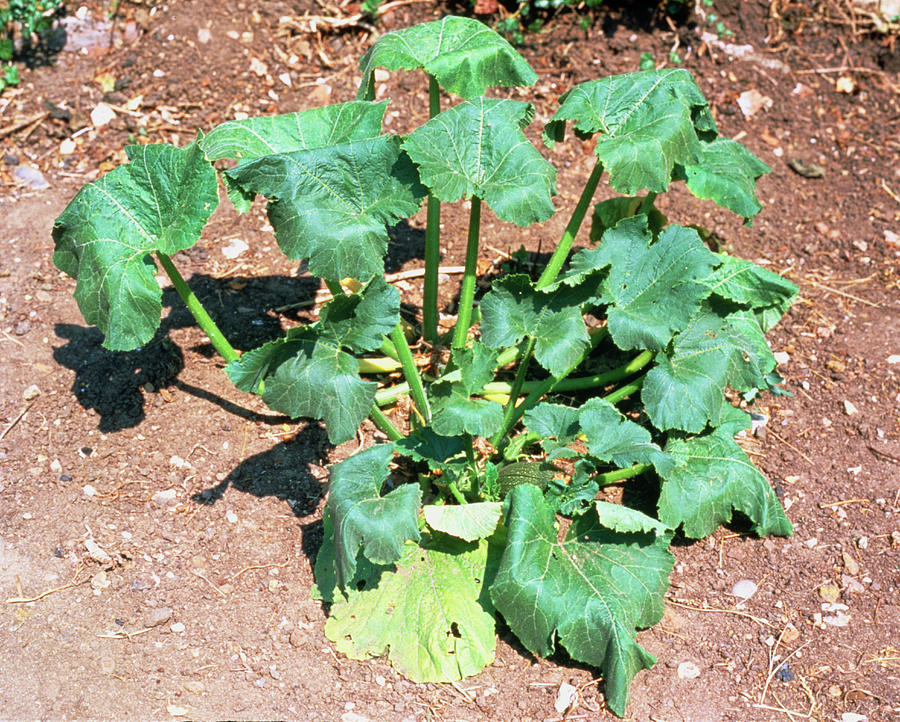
653, 289
160, 201
592, 590
726, 173
432, 616
333, 204
464, 521
477, 148
246, 140
712, 476
363, 518
613, 437
361, 320
425, 445
513, 309
454, 410
649, 122
465, 56
684, 390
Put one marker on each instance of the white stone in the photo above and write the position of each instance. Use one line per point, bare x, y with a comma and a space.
169, 497
744, 589
178, 627
203, 36
853, 717
102, 115
781, 357
688, 670
565, 697
235, 248
231, 517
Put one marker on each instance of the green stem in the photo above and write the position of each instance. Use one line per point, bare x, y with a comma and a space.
625, 391
381, 420
611, 477
457, 494
388, 349
387, 396
555, 264
579, 383
432, 239
467, 292
510, 410
411, 373
219, 342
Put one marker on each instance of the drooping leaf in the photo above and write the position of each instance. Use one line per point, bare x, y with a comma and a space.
613, 437
326, 588
246, 140
684, 390
363, 518
431, 632
653, 289
750, 285
308, 372
160, 201
649, 122
609, 212
465, 56
465, 521
592, 590
333, 204
360, 321
513, 309
454, 410
753, 359
321, 381
726, 172
424, 444
712, 477
477, 148
555, 421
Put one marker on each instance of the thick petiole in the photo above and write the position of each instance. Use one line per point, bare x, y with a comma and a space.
467, 292
216, 338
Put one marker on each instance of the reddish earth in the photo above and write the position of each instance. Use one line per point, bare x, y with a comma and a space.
200, 608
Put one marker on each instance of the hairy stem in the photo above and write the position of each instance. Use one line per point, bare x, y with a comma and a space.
216, 338
555, 264
411, 373
432, 239
457, 494
380, 419
467, 292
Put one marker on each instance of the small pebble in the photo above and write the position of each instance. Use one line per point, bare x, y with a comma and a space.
781, 357
176, 711
894, 358
744, 589
850, 564
231, 517
235, 248
55, 466
31, 177
88, 489
784, 674
863, 542
31, 393
853, 717
158, 615
177, 628
169, 497
96, 553
194, 686
688, 670
10, 159
849, 408
21, 328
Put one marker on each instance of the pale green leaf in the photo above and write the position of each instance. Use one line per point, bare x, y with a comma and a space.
333, 204
625, 519
363, 518
591, 591
477, 148
160, 201
609, 212
465, 56
465, 521
432, 616
750, 285
712, 477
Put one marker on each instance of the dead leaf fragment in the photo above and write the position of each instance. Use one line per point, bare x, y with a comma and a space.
829, 592
102, 115
106, 81
807, 170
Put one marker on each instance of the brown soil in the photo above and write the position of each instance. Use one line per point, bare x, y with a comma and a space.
231, 557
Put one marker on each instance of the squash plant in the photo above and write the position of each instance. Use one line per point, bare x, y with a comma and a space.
529, 409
